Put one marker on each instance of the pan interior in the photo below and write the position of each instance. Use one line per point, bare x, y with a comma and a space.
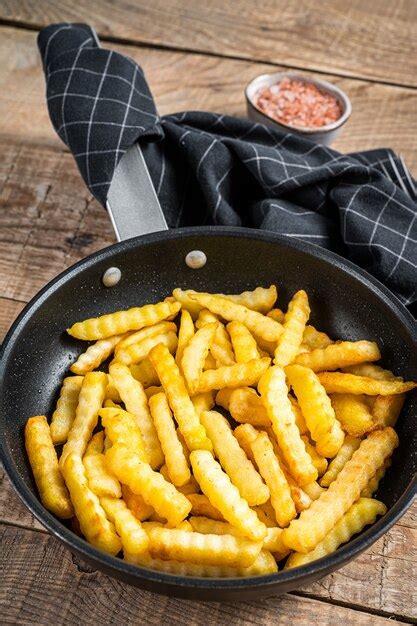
38, 352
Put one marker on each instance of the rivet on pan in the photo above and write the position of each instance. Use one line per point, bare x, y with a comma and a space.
111, 277
196, 259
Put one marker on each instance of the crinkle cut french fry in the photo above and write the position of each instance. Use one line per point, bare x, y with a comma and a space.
386, 409
246, 435
44, 463
223, 397
294, 325
216, 485
317, 410
122, 427
134, 397
145, 373
233, 459
319, 462
90, 401
238, 375
274, 477
111, 392
92, 519
345, 453
246, 406
361, 514
221, 347
299, 417
313, 491
191, 487
152, 391
64, 414
353, 414
201, 505
96, 354
338, 355
264, 564
140, 335
313, 338
277, 315
134, 539
203, 401
180, 545
123, 321
185, 333
304, 533
176, 461
244, 344
174, 386
339, 382
263, 326
373, 483
136, 504
141, 479
260, 299
100, 480
274, 394
371, 371
194, 355
137, 352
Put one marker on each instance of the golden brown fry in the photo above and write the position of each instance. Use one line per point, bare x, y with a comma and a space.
274, 394
246, 406
246, 435
338, 382
134, 539
123, 321
90, 401
345, 453
134, 398
176, 461
96, 354
216, 485
109, 404
180, 545
257, 323
221, 347
223, 397
145, 373
64, 414
294, 325
142, 480
201, 505
140, 335
136, 504
260, 299
373, 483
277, 315
314, 339
244, 345
100, 480
191, 487
275, 479
44, 463
353, 414
338, 355
311, 527
185, 333
360, 514
194, 355
137, 352
178, 398
92, 519
313, 491
317, 410
371, 371
319, 462
111, 392
152, 391
299, 417
264, 564
233, 459
238, 375
386, 409
203, 401
122, 427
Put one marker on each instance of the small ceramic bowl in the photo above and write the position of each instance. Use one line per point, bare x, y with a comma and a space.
324, 134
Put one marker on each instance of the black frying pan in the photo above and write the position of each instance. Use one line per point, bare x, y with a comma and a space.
345, 301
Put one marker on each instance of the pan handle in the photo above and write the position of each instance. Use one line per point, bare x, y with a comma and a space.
132, 202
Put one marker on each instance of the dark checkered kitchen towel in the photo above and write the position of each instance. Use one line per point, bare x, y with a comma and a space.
209, 168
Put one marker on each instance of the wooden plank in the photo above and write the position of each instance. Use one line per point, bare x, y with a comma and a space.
375, 40
371, 581
382, 115
9, 310
43, 583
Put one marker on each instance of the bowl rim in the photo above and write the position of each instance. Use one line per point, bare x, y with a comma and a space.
322, 84
113, 565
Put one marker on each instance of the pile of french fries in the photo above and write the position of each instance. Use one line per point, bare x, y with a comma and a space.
225, 437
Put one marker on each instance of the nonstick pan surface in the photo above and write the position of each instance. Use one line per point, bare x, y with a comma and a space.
345, 301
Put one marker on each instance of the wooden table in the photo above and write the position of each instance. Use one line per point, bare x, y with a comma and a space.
196, 55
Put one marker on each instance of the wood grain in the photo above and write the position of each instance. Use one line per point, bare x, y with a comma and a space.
375, 40
43, 583
382, 115
370, 581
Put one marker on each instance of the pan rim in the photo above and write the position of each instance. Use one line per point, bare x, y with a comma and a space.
297, 576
